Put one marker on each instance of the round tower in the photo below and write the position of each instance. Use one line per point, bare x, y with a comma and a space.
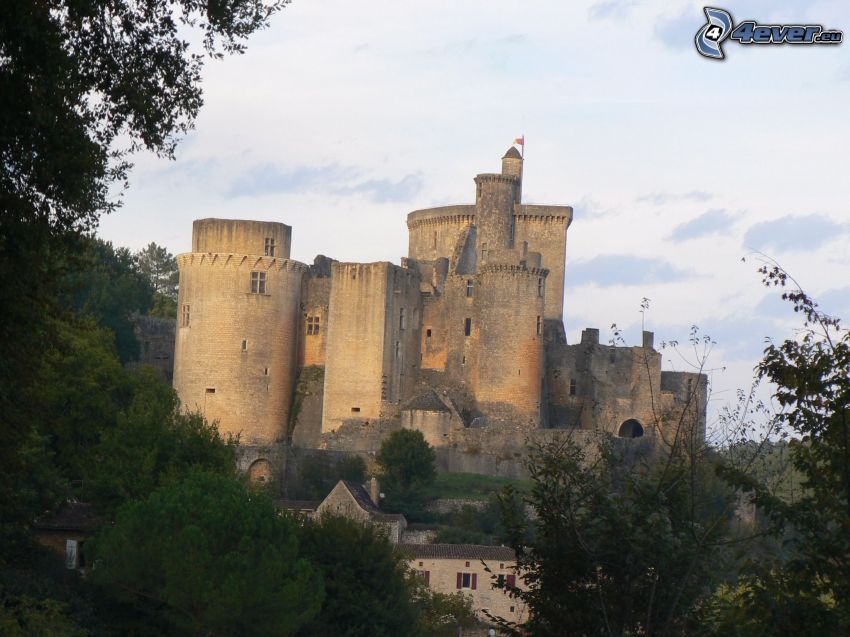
509, 373
494, 213
237, 327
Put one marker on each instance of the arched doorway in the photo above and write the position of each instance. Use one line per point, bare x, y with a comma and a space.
260, 471
630, 429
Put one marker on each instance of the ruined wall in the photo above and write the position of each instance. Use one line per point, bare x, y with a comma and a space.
156, 343
544, 228
601, 386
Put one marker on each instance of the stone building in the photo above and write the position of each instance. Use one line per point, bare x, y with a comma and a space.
464, 340
453, 568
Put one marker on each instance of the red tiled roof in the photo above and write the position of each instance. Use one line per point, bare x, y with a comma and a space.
458, 551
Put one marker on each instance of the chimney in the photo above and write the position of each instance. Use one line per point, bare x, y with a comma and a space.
374, 492
648, 339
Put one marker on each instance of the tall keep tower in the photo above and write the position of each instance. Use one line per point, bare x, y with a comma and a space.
237, 327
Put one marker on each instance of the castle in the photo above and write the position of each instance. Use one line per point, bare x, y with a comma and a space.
464, 340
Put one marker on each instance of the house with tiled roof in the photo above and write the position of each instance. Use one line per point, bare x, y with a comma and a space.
475, 570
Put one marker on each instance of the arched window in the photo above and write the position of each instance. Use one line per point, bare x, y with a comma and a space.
630, 429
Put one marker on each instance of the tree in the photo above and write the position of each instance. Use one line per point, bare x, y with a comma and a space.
159, 266
365, 589
82, 86
153, 442
406, 464
441, 614
214, 555
618, 546
110, 288
808, 584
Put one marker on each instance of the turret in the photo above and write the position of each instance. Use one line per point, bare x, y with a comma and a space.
512, 166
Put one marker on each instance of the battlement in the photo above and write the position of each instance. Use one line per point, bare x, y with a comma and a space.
496, 177
236, 261
512, 269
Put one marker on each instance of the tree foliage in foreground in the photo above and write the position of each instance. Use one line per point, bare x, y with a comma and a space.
806, 587
617, 548
366, 594
214, 556
82, 85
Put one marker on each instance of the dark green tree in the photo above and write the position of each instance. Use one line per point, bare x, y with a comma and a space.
82, 86
110, 288
153, 442
159, 266
214, 555
366, 594
406, 464
621, 544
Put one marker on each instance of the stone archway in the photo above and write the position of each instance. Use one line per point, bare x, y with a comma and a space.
631, 428
260, 471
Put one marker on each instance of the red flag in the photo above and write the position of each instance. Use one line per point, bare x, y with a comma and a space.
520, 141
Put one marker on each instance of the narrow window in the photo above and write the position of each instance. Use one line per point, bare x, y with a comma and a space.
210, 390
540, 286
435, 239
513, 231
401, 319
512, 609
483, 251
467, 327
355, 409
463, 362
244, 345
539, 326
397, 350
312, 325
258, 282
428, 333
500, 581
186, 316
265, 371
470, 286
572, 386
269, 247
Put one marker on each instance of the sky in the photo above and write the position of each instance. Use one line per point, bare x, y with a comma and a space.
343, 117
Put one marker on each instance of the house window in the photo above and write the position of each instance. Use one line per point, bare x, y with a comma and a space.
540, 286
483, 251
401, 319
186, 316
312, 325
467, 580
71, 554
467, 327
500, 581
572, 386
425, 576
269, 247
470, 286
539, 326
258, 282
